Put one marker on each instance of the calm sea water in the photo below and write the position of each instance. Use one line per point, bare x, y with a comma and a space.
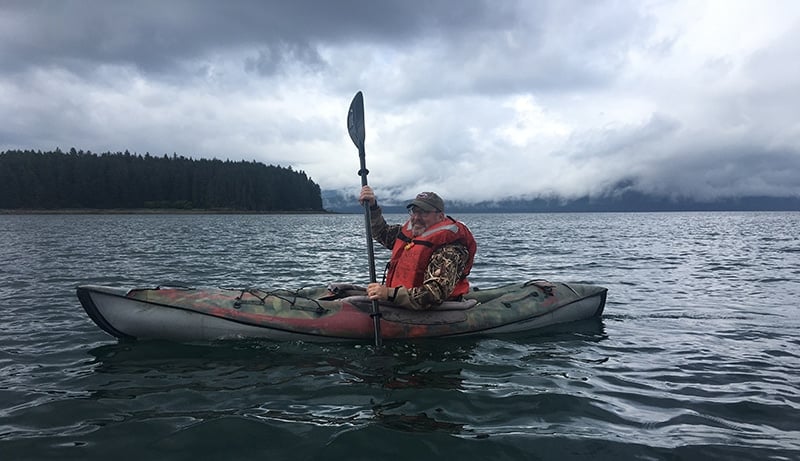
696, 357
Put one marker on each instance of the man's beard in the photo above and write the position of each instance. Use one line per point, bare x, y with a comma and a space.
417, 229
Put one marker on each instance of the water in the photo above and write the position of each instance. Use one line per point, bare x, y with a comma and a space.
696, 356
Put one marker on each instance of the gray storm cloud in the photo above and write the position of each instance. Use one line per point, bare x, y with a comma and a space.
478, 100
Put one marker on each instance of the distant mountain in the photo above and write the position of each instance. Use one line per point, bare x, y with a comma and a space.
628, 201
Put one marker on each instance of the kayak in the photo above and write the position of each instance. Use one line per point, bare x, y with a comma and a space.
338, 312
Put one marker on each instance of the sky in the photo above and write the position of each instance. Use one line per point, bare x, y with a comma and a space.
476, 100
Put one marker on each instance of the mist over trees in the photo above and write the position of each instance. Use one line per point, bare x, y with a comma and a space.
77, 179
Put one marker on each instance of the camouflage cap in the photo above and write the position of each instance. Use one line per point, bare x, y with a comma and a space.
428, 201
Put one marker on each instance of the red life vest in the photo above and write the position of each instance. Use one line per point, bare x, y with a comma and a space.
411, 255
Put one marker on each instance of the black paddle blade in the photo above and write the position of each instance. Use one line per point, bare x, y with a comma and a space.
355, 120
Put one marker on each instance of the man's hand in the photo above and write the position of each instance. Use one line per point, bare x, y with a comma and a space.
367, 195
377, 292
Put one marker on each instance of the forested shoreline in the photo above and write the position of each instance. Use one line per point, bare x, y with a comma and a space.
35, 180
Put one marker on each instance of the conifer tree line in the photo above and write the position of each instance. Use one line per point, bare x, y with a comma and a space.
77, 179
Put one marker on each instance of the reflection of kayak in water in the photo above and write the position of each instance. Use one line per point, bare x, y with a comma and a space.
335, 313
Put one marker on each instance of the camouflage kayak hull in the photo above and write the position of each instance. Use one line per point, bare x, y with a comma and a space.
313, 314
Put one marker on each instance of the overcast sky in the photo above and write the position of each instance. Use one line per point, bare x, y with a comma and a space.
475, 100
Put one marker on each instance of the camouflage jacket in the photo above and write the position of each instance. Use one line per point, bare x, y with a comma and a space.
444, 269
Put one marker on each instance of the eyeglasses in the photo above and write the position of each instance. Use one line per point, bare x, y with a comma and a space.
414, 210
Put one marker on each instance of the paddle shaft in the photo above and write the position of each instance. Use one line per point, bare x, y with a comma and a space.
376, 311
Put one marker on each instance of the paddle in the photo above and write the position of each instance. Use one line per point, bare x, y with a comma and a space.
355, 126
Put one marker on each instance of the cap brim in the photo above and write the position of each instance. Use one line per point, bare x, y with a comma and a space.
424, 205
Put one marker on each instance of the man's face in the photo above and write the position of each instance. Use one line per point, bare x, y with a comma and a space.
421, 219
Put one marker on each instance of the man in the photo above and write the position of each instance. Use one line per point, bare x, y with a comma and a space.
432, 253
